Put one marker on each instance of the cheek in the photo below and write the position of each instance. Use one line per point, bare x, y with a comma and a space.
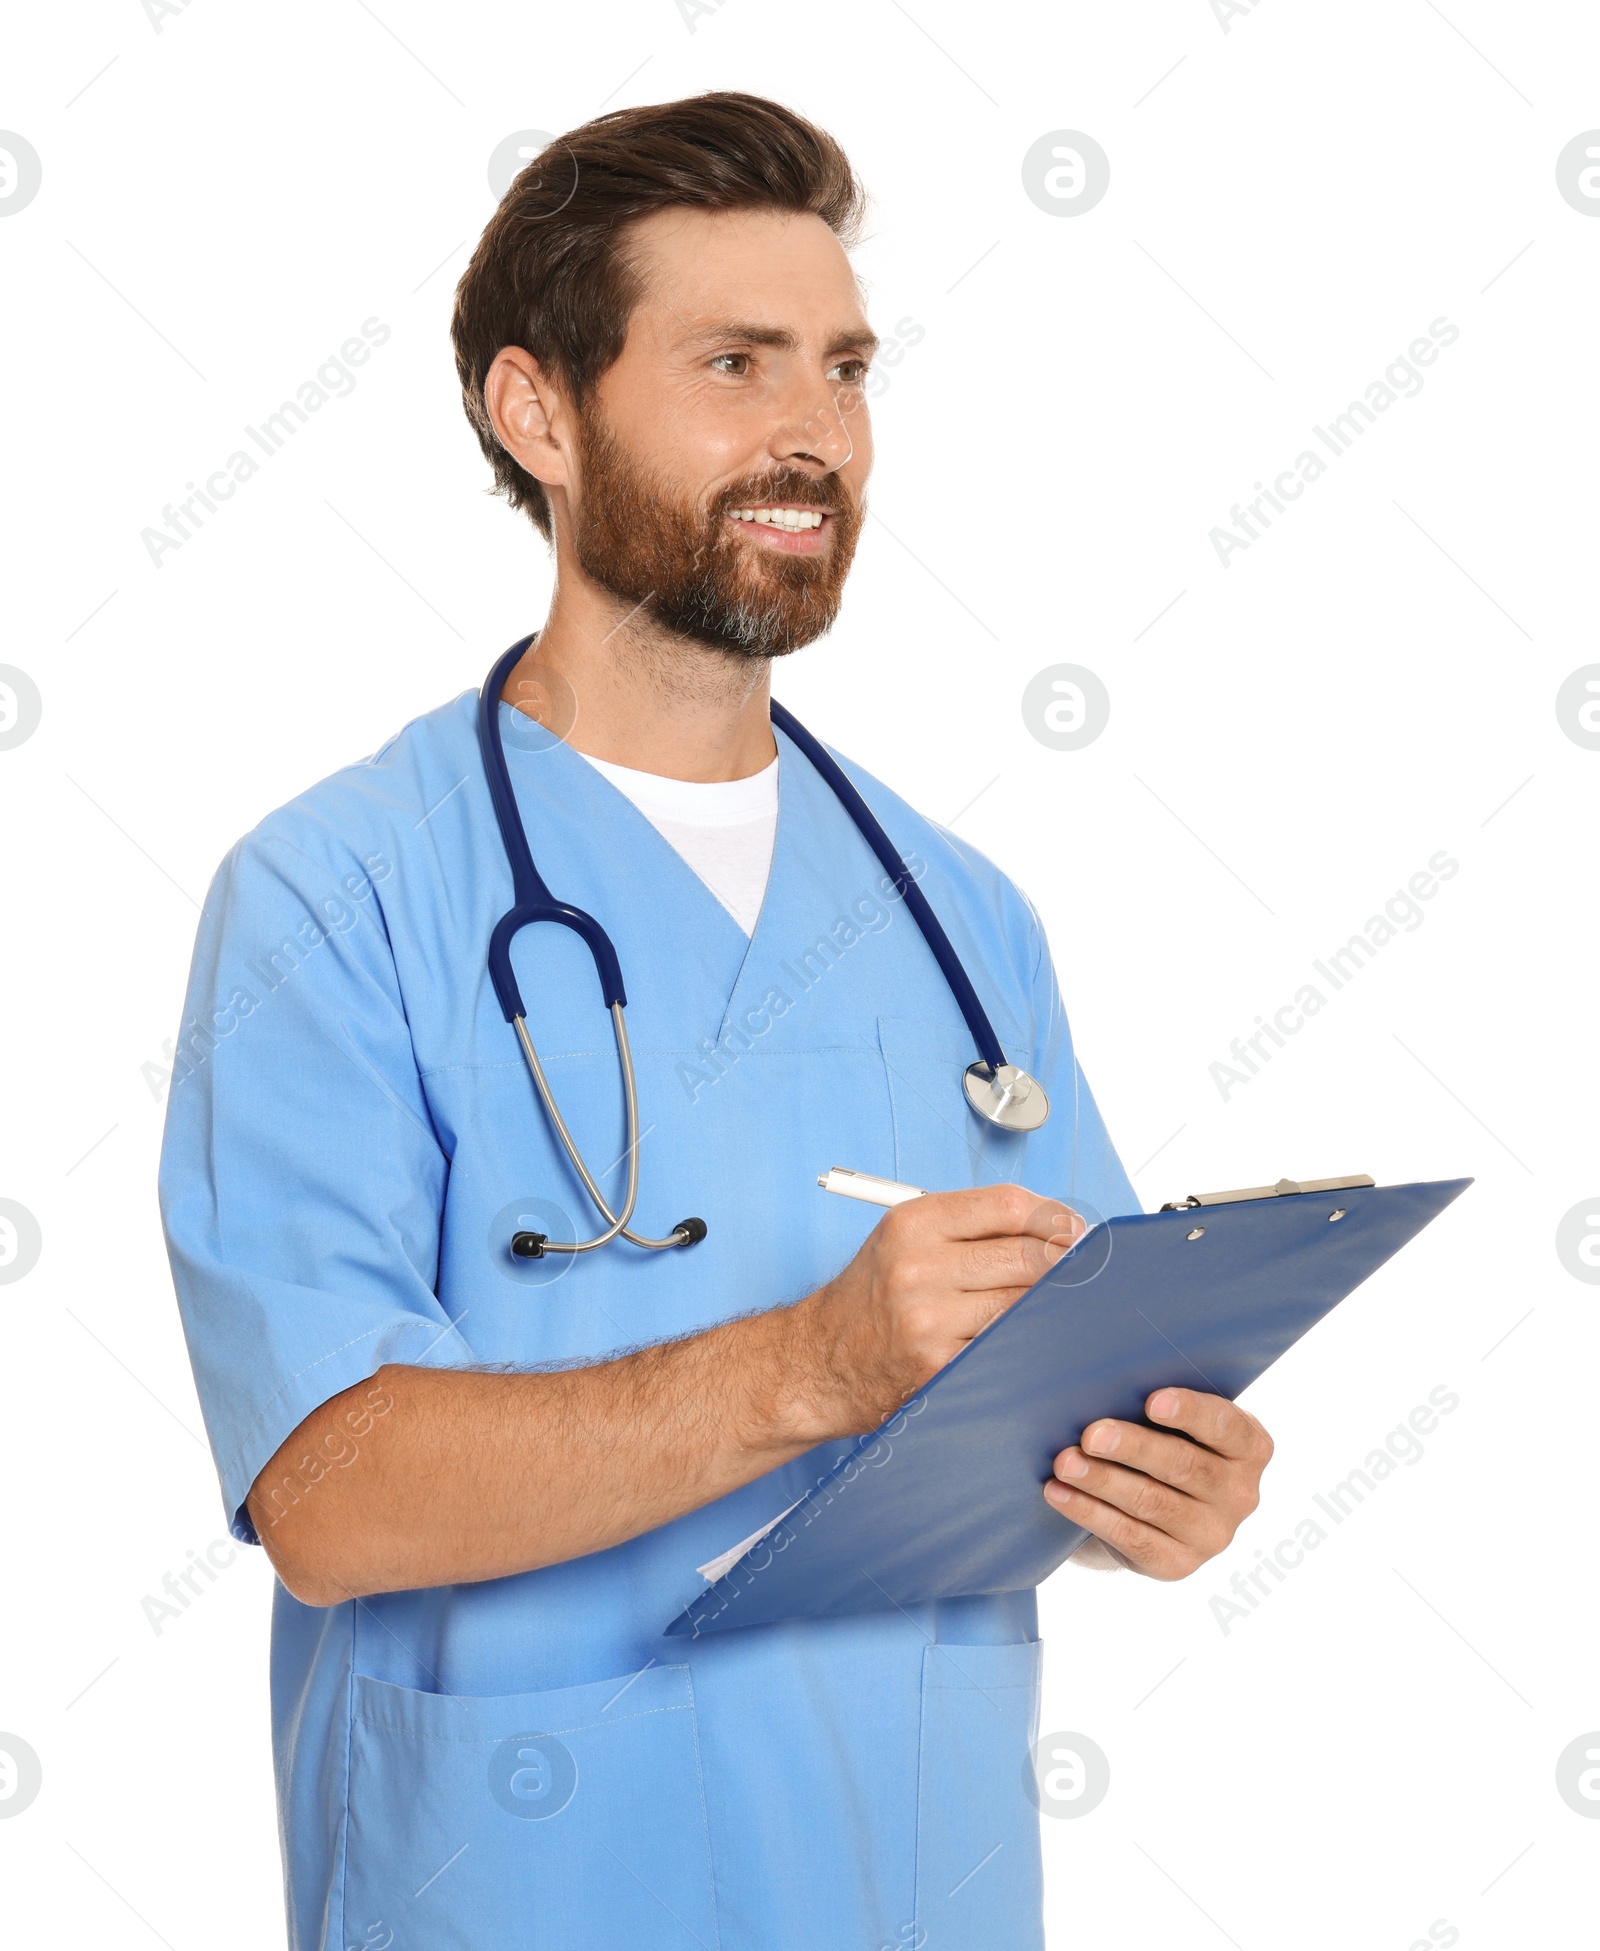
672, 425
704, 436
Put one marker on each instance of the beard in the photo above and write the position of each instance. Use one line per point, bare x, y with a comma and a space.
683, 564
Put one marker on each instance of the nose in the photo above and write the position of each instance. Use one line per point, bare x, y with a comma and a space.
813, 434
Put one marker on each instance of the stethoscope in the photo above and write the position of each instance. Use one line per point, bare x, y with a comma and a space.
1001, 1093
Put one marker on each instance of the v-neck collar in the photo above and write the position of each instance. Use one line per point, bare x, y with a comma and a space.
608, 818
601, 853
814, 846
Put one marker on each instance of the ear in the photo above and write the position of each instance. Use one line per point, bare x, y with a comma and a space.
530, 417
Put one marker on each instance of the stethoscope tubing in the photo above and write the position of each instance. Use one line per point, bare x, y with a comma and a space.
617, 1223
932, 929
533, 902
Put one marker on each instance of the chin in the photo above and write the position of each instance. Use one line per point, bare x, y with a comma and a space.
755, 630
739, 639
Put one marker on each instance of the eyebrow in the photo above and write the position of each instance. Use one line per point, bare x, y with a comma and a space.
779, 337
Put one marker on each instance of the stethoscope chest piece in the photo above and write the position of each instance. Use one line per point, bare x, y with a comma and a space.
1006, 1096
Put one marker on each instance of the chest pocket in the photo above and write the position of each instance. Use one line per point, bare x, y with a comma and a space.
940, 1143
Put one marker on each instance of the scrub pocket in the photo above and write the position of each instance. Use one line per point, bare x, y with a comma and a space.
979, 1878
573, 1820
938, 1143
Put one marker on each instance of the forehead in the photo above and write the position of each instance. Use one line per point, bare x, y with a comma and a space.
774, 267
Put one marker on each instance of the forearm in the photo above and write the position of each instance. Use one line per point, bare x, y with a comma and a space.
468, 1475
446, 1477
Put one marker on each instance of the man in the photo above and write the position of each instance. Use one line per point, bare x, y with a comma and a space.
486, 1481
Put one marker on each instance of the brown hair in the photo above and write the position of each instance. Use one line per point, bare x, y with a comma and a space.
550, 273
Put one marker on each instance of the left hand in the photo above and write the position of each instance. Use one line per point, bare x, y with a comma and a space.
1162, 1504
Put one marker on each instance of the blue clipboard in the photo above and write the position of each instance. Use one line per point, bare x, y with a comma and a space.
944, 1500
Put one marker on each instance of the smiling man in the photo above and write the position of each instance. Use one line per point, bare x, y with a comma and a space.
488, 1407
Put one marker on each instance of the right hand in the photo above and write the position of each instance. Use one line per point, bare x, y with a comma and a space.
933, 1273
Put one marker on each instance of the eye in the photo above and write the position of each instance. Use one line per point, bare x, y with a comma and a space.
735, 363
849, 372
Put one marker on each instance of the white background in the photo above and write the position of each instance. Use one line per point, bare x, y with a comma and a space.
1373, 1748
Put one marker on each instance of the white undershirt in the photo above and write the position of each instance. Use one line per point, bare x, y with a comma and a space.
724, 829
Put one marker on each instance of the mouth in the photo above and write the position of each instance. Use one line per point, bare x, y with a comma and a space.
786, 526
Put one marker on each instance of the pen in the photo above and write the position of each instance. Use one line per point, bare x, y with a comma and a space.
862, 1185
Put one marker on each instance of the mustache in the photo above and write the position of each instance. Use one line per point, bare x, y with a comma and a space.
788, 488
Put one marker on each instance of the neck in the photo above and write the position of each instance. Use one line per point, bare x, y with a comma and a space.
640, 695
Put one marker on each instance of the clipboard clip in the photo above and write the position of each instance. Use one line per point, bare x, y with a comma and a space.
1268, 1192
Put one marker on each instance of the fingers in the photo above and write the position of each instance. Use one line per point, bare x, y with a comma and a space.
1146, 1547
961, 1266
936, 1271
1056, 1223
1198, 1522
1221, 1425
1168, 1502
979, 1310
992, 1212
975, 1266
1169, 1460
1223, 1434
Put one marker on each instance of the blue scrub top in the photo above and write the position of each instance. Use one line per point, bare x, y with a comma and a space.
352, 1138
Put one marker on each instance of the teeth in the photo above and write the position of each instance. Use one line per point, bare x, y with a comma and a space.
793, 519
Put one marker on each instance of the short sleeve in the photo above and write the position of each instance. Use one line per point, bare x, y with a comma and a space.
301, 1179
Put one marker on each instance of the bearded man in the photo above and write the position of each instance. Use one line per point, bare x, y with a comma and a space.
490, 1408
